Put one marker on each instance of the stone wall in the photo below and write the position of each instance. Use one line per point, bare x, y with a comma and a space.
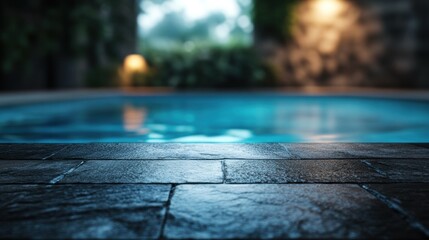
378, 43
421, 9
63, 68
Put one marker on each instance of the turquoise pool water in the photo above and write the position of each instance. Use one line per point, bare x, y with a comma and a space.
217, 118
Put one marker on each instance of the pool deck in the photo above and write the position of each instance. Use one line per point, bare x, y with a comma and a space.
214, 190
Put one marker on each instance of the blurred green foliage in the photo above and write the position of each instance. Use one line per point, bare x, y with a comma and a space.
40, 28
103, 76
184, 55
175, 28
48, 30
273, 18
207, 67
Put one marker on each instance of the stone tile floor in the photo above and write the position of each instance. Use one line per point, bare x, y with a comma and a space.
214, 191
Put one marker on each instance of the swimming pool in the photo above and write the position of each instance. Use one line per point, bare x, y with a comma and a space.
245, 118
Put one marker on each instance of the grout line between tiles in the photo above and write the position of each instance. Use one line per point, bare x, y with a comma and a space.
60, 177
413, 221
167, 211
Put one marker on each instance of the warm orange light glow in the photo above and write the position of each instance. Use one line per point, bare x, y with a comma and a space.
134, 119
135, 63
327, 8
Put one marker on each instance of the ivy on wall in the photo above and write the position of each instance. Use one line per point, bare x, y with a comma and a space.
45, 29
273, 18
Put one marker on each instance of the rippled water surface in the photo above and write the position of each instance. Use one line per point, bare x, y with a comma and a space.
217, 118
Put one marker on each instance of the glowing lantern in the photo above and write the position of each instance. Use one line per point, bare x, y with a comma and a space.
134, 65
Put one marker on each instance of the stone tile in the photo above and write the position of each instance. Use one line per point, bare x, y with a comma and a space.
101, 151
278, 171
355, 150
33, 171
83, 211
425, 145
412, 197
281, 211
28, 151
147, 171
319, 150
402, 170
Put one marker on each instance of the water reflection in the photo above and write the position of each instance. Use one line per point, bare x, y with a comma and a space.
134, 119
192, 118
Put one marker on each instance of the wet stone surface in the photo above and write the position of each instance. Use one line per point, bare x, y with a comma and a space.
104, 151
402, 170
29, 151
83, 211
269, 211
292, 171
412, 197
214, 190
33, 171
356, 150
425, 145
140, 171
